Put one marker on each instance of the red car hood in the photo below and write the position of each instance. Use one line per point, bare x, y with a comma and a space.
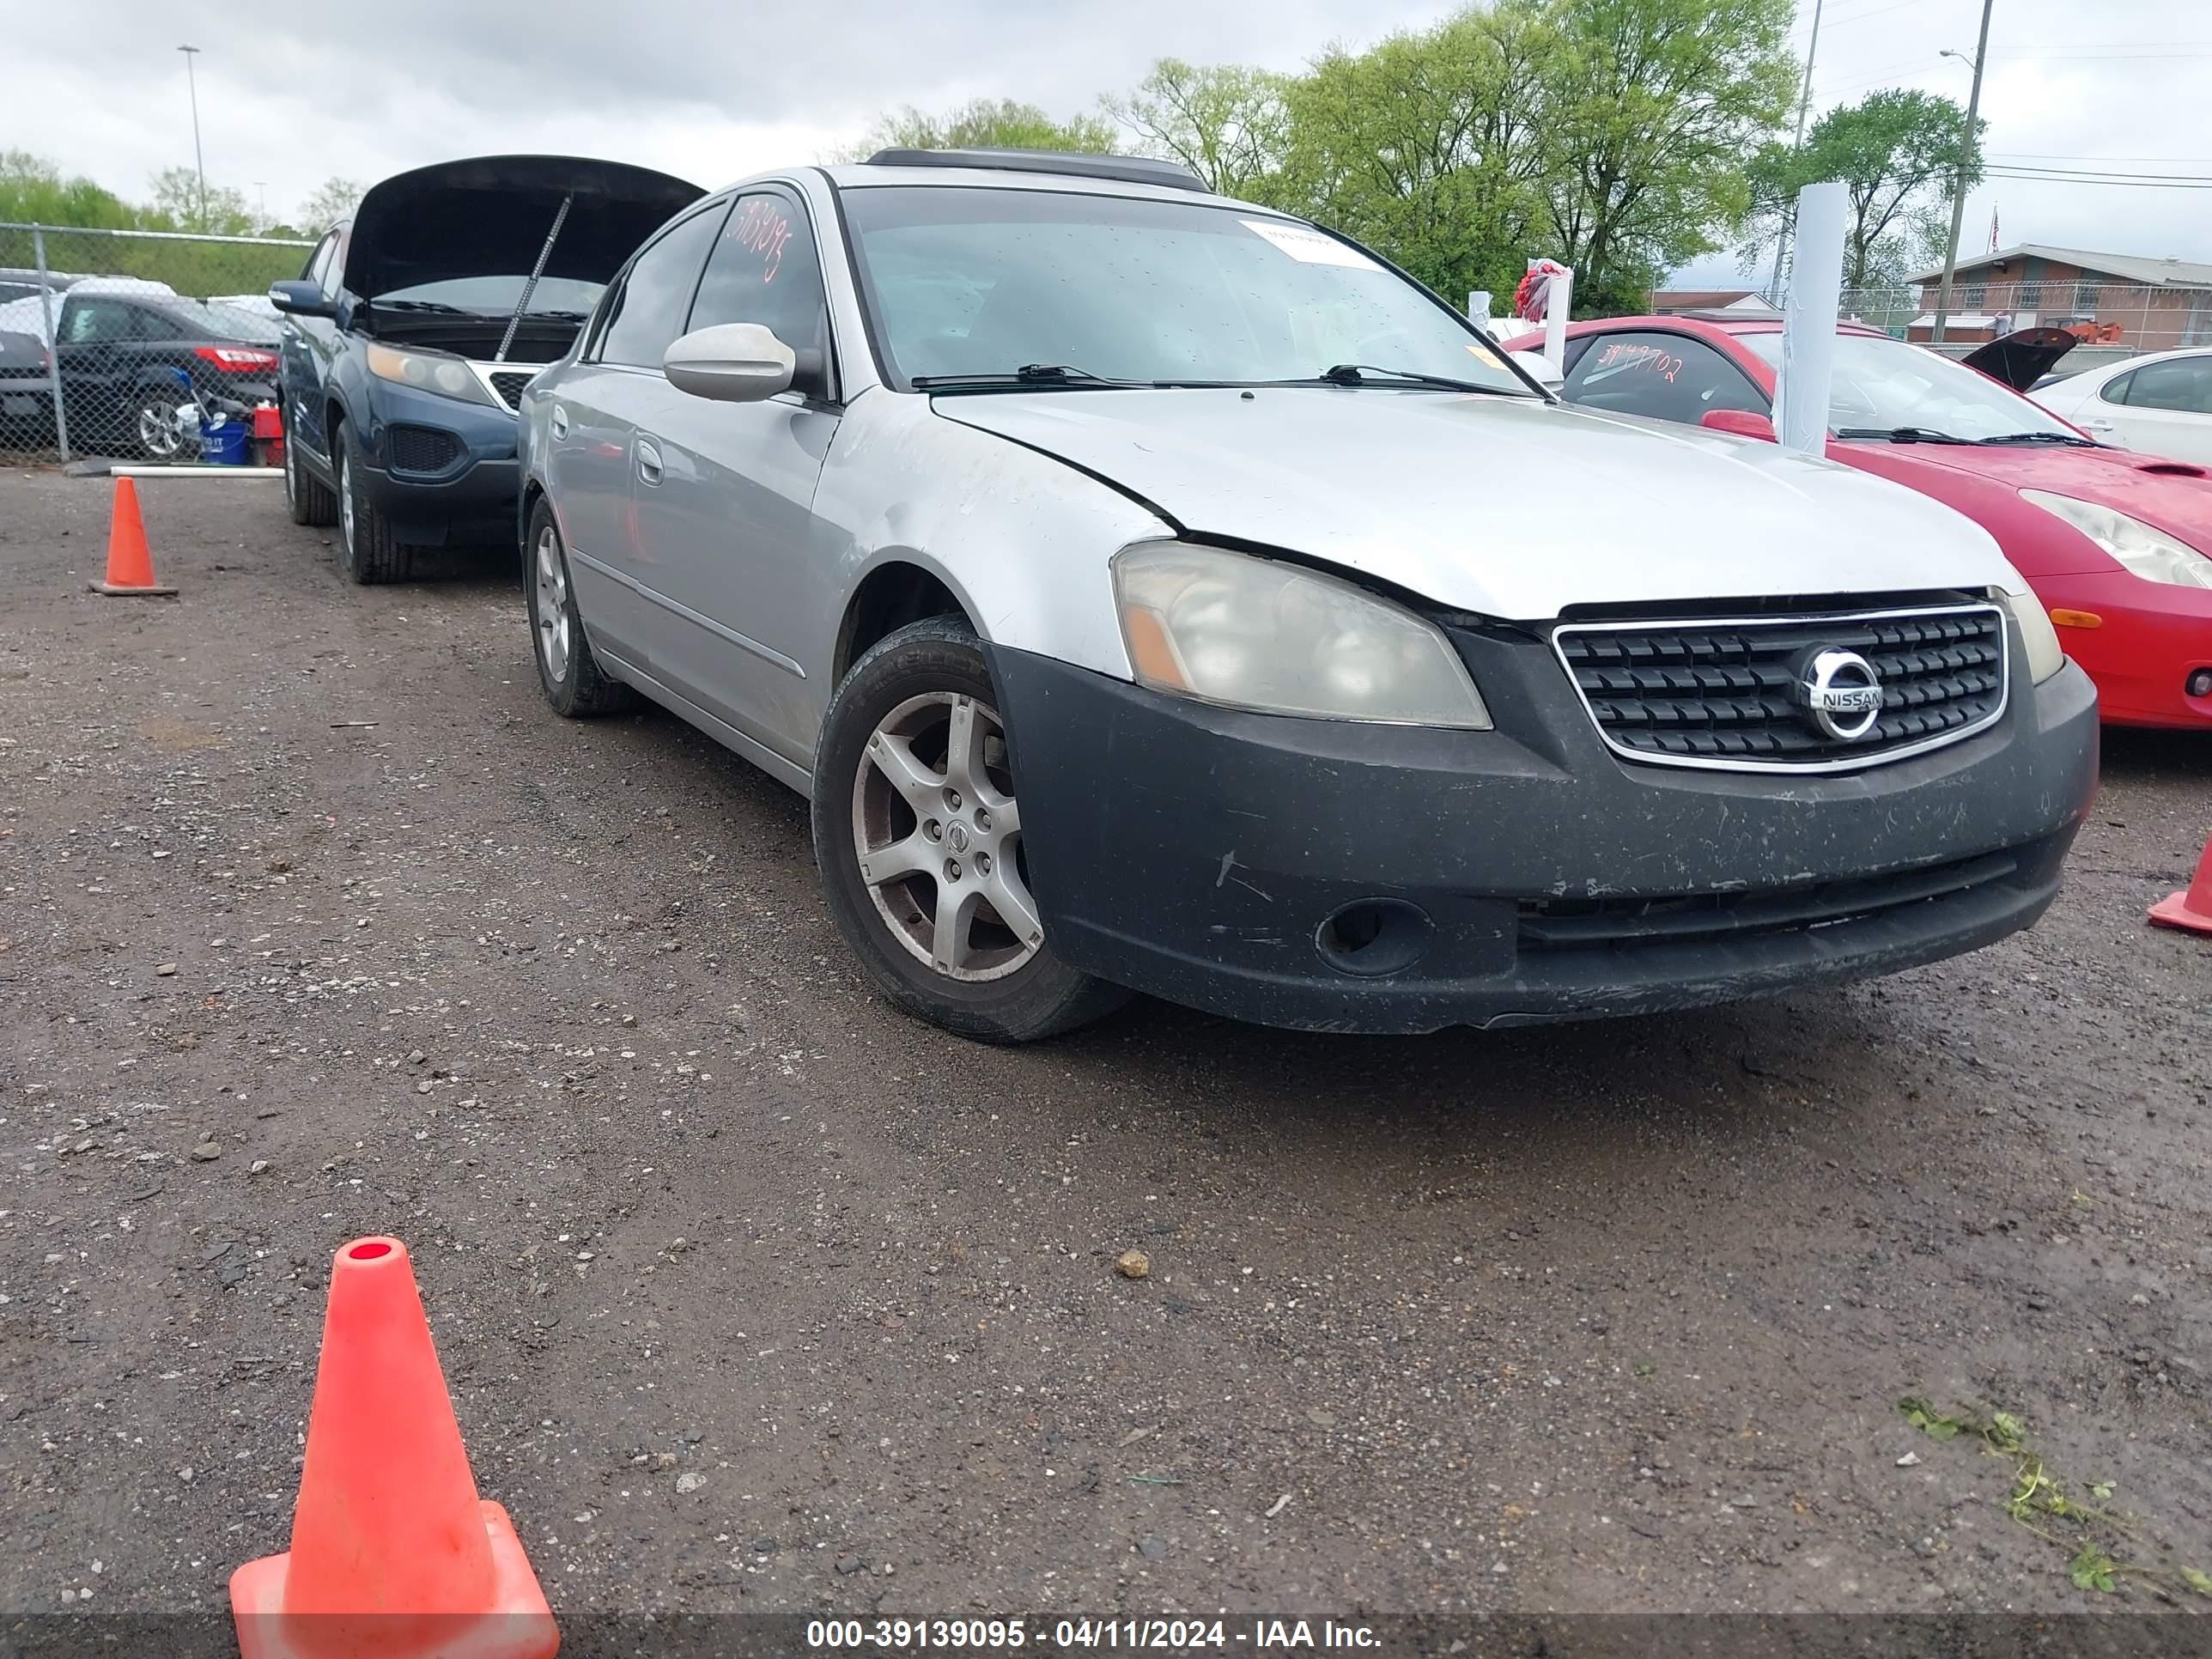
2171, 495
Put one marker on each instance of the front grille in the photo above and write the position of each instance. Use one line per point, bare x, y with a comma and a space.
421, 449
1707, 918
1733, 693
509, 383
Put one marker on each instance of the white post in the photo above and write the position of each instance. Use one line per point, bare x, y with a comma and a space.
1557, 298
1478, 307
1808, 321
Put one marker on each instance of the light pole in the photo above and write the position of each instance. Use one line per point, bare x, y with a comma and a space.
199, 162
1804, 103
1966, 150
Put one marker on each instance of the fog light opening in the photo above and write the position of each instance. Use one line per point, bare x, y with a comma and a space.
1372, 937
2199, 684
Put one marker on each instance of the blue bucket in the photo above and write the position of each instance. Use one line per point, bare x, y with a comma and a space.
222, 442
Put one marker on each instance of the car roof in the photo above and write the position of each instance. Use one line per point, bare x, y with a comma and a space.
862, 175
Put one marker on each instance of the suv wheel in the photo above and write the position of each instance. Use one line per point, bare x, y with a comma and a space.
918, 833
575, 684
307, 498
367, 547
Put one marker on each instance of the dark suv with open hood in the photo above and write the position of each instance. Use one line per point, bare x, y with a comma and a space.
414, 328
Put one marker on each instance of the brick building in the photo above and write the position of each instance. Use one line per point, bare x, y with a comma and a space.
2113, 299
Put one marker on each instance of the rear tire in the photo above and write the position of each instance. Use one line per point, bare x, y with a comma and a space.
367, 547
888, 771
572, 680
307, 498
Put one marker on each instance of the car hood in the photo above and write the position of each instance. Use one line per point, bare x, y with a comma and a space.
2021, 358
488, 216
1510, 507
2173, 495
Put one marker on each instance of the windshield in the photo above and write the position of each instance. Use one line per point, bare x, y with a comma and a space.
983, 282
1880, 385
495, 297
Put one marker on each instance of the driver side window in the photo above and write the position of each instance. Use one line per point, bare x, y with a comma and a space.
1667, 377
764, 269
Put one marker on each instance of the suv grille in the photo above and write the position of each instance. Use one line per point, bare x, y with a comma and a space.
509, 383
421, 449
1736, 693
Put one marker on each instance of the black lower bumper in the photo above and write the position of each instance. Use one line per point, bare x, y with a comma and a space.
1337, 876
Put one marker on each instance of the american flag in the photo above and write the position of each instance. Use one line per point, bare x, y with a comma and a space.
1993, 230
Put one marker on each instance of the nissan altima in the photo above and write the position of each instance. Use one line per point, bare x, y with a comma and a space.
1155, 592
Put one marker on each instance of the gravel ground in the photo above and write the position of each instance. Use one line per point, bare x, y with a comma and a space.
752, 1294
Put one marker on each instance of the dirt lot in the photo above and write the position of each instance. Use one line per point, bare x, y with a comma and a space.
753, 1294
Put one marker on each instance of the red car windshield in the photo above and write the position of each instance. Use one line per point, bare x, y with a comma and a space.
1883, 385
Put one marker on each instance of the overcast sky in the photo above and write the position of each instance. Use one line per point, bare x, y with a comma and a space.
713, 89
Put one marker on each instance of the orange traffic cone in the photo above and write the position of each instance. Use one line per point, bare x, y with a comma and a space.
2193, 909
130, 561
392, 1556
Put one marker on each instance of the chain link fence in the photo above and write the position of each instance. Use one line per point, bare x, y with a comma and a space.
143, 345
2113, 320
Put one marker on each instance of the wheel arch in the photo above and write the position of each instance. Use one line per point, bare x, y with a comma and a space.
894, 592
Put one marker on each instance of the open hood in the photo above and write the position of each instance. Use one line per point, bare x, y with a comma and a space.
2021, 358
488, 216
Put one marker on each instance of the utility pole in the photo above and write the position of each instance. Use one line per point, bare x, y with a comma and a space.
1804, 103
1967, 152
199, 162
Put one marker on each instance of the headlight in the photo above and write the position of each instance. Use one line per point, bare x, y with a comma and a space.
428, 371
1263, 634
2143, 551
2046, 656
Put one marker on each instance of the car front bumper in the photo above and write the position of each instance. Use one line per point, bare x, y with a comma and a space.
470, 495
1331, 876
2150, 637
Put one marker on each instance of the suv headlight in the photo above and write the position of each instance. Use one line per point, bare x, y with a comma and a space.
428, 371
1268, 634
2141, 549
2046, 656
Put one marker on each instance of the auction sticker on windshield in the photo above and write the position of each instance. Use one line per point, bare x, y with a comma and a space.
1308, 247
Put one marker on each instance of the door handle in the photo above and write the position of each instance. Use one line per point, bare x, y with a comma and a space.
2097, 426
648, 461
559, 423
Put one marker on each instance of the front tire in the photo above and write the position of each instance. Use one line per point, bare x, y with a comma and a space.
307, 498
367, 547
917, 830
572, 680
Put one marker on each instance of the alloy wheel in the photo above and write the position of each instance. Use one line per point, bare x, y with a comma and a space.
345, 503
161, 429
552, 606
938, 838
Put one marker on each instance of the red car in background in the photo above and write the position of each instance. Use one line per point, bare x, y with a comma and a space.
2117, 545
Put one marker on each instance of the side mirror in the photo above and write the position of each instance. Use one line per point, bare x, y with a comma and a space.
1541, 371
1743, 422
301, 299
731, 363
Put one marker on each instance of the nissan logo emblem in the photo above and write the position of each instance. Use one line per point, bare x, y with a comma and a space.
1843, 693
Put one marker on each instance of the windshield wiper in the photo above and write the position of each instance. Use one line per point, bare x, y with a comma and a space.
2040, 438
1902, 435
1029, 375
437, 306
1359, 374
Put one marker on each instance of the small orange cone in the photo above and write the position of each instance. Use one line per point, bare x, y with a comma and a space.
392, 1556
2191, 910
130, 561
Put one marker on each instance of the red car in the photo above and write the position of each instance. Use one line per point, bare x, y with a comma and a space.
2117, 545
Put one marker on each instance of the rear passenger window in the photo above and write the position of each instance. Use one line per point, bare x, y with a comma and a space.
1668, 377
649, 310
2182, 384
763, 270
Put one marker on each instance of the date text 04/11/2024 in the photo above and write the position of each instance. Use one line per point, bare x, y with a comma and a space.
1170, 1635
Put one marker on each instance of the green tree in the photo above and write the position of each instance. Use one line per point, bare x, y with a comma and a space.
34, 190
178, 203
1895, 152
1651, 109
1228, 123
330, 201
1427, 146
984, 123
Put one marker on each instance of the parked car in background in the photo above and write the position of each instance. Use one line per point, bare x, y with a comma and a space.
132, 355
416, 323
24, 282
2117, 545
2160, 403
1154, 592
